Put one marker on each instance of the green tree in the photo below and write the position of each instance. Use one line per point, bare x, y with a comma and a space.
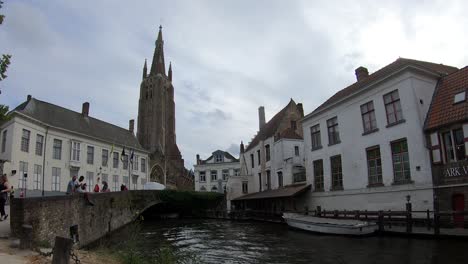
5, 59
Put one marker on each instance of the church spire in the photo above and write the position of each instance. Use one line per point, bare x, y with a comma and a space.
158, 65
169, 73
145, 70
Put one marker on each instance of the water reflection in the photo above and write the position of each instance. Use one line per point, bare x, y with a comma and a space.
217, 241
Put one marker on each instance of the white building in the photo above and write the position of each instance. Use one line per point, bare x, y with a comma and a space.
272, 165
213, 173
44, 145
365, 147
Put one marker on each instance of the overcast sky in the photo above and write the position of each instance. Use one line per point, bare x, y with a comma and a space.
228, 57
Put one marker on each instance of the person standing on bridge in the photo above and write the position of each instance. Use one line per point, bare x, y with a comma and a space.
96, 186
5, 188
71, 187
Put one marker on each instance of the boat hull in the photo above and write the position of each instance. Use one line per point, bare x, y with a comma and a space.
356, 228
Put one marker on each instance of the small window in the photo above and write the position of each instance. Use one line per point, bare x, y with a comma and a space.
218, 158
296, 150
214, 175
459, 97
267, 152
245, 187
202, 176
225, 175
252, 160
258, 156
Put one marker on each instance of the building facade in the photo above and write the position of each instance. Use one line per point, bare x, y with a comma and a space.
365, 147
212, 174
45, 145
272, 165
156, 123
447, 133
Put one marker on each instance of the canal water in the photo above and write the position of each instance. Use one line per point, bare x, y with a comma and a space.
221, 241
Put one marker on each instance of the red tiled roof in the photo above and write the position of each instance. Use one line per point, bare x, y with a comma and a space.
270, 127
384, 72
443, 111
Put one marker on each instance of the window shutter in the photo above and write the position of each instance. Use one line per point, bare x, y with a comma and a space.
435, 148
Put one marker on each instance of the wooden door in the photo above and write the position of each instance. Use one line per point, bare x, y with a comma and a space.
458, 203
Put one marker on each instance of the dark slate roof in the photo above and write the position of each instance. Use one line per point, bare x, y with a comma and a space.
393, 67
443, 111
269, 129
63, 118
225, 153
287, 191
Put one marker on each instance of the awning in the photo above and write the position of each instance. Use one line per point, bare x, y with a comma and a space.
287, 191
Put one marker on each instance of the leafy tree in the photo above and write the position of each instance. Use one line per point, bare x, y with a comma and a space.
5, 59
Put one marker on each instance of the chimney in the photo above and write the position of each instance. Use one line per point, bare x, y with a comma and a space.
29, 97
361, 73
131, 125
198, 159
301, 109
261, 117
85, 109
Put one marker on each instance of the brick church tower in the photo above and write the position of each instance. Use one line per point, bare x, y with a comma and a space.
156, 121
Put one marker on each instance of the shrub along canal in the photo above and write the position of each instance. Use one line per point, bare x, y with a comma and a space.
221, 241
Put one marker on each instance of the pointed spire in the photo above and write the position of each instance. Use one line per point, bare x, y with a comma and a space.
145, 70
169, 73
158, 65
242, 147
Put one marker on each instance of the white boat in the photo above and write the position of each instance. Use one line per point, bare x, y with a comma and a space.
329, 225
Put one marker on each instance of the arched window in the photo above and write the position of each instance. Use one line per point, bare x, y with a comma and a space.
214, 189
203, 189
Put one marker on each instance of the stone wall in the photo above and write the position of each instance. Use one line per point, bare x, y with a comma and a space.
53, 216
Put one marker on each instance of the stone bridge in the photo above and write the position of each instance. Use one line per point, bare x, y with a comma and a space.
57, 215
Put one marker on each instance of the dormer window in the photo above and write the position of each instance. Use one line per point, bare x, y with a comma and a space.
459, 97
218, 158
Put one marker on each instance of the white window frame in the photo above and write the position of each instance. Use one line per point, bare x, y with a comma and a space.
56, 177
37, 177
76, 149
225, 174
115, 180
90, 180
23, 181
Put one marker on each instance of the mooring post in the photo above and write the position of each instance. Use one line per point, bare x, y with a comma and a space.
319, 211
428, 217
62, 249
380, 221
26, 237
409, 224
306, 209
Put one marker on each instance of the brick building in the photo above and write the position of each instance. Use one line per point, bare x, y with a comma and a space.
447, 131
156, 123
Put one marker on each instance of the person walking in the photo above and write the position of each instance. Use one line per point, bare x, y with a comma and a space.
5, 188
71, 187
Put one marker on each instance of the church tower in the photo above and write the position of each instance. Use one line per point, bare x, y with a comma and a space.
156, 119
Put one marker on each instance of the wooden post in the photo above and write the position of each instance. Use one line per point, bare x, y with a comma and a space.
62, 249
365, 214
428, 219
390, 219
306, 209
409, 224
436, 217
381, 221
26, 237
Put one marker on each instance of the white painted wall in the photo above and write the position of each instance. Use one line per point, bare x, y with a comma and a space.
14, 155
412, 88
218, 167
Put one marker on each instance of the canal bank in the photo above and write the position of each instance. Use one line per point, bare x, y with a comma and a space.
225, 241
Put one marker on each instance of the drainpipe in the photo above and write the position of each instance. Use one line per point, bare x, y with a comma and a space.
43, 159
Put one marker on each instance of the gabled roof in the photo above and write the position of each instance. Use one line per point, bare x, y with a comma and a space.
393, 67
443, 111
225, 153
269, 129
59, 117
